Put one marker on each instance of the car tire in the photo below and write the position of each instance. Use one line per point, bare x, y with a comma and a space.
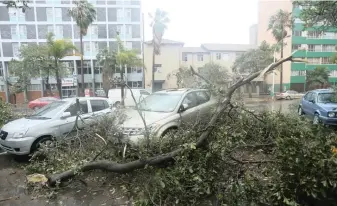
300, 111
35, 146
316, 119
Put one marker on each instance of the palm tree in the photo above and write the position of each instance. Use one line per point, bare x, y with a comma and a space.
159, 25
107, 59
58, 49
320, 75
84, 14
278, 24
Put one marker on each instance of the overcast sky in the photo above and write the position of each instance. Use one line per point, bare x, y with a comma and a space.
205, 21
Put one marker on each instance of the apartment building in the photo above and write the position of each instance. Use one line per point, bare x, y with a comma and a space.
44, 16
174, 56
318, 47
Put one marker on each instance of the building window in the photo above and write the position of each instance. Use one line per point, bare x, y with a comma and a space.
15, 47
14, 32
329, 48
128, 45
58, 14
13, 14
94, 48
120, 29
94, 31
326, 60
50, 29
298, 20
314, 48
137, 84
314, 60
185, 57
59, 32
87, 49
333, 73
34, 87
302, 73
218, 56
297, 33
23, 32
200, 57
50, 16
120, 15
225, 56
314, 35
128, 31
329, 35
157, 68
127, 15
296, 46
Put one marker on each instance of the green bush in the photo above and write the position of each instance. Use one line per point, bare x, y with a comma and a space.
5, 113
250, 159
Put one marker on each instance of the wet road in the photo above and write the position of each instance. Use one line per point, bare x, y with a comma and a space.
278, 105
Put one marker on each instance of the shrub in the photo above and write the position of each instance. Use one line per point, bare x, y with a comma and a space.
5, 113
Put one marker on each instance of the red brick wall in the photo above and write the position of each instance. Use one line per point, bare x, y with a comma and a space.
3, 96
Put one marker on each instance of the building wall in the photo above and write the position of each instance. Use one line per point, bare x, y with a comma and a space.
266, 9
253, 34
43, 17
169, 59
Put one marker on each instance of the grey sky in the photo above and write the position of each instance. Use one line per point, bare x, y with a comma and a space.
205, 21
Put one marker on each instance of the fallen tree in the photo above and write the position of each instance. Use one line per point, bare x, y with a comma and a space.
141, 163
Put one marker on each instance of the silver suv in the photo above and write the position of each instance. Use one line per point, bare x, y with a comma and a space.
22, 136
165, 110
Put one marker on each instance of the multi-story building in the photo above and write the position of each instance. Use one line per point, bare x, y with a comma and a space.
44, 16
174, 56
317, 47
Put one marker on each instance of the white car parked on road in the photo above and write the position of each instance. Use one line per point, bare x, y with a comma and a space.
22, 136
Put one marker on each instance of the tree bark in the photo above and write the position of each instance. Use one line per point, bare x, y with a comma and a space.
153, 67
106, 79
82, 74
250, 90
281, 66
139, 164
58, 79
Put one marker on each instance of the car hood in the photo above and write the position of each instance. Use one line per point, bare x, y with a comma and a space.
328, 106
22, 124
133, 118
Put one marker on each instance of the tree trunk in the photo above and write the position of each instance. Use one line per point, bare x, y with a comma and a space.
58, 80
281, 66
250, 90
153, 68
82, 75
122, 86
25, 94
105, 79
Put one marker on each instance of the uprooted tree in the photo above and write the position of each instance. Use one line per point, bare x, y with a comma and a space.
238, 158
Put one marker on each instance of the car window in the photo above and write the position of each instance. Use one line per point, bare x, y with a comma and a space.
49, 111
202, 97
191, 100
106, 104
313, 96
98, 105
144, 92
83, 108
308, 96
160, 102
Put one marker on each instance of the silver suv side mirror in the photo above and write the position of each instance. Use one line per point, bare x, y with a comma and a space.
183, 107
65, 115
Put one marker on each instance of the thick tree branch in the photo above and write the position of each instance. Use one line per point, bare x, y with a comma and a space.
139, 164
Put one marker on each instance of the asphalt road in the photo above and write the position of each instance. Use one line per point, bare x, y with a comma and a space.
278, 105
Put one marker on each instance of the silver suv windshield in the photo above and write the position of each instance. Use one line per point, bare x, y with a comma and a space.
48, 111
160, 102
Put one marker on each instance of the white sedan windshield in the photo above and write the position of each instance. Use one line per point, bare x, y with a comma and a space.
160, 102
48, 111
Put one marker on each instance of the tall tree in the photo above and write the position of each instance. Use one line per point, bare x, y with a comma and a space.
322, 12
278, 24
107, 59
254, 60
318, 76
58, 49
159, 25
117, 60
33, 61
84, 14
20, 4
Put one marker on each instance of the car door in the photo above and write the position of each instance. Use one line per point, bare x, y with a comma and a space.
204, 104
312, 106
305, 102
69, 122
99, 107
189, 114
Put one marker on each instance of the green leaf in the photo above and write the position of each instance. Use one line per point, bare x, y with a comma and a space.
162, 184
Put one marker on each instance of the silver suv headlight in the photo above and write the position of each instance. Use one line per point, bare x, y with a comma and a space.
20, 134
